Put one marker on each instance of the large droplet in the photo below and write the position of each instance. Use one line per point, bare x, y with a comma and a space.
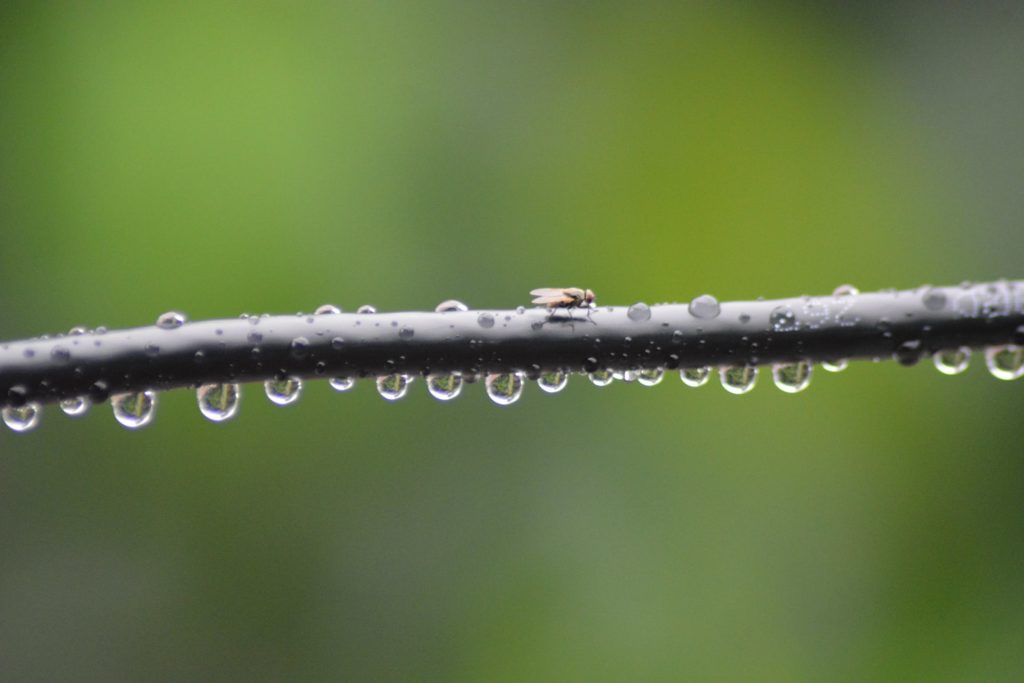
505, 388
327, 309
218, 402
553, 381
705, 306
366, 308
601, 378
695, 377
639, 312
485, 320
792, 377
738, 379
628, 376
75, 406
283, 390
450, 305
22, 418
134, 410
444, 387
341, 383
1005, 362
650, 376
952, 361
845, 290
170, 320
393, 387
835, 365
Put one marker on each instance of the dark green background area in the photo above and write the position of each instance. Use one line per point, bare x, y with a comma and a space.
220, 158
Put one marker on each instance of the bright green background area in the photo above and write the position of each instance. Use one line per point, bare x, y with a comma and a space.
220, 158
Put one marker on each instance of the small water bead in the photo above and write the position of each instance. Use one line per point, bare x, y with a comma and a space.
366, 308
792, 378
738, 379
327, 309
639, 312
705, 307
134, 410
1005, 362
393, 387
553, 381
22, 418
60, 354
845, 290
485, 320
783, 319
169, 320
451, 305
73, 407
952, 361
299, 347
283, 390
835, 365
406, 332
909, 352
78, 330
601, 378
649, 377
218, 402
444, 387
342, 383
695, 377
505, 388
934, 300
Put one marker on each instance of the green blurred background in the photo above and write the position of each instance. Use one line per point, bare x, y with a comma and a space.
221, 158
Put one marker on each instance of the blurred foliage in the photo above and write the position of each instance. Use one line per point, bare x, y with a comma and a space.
222, 158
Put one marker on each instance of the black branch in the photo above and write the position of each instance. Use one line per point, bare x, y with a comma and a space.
905, 325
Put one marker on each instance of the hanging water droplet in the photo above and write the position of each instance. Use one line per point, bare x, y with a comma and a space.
934, 299
485, 320
341, 383
695, 377
553, 381
601, 378
845, 290
705, 306
952, 361
170, 320
393, 387
444, 387
218, 402
22, 418
639, 312
366, 308
738, 379
835, 365
627, 376
1005, 362
450, 305
134, 410
327, 309
505, 388
792, 378
76, 406
650, 376
909, 352
283, 390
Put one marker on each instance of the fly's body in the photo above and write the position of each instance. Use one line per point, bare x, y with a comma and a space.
564, 297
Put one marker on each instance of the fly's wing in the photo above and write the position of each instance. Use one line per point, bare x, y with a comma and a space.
550, 296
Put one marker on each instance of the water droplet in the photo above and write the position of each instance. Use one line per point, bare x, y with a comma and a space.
520, 310
60, 354
650, 376
553, 381
738, 379
406, 333
449, 306
393, 387
22, 418
639, 312
134, 410
952, 361
835, 365
169, 321
78, 330
845, 290
744, 318
299, 347
505, 388
695, 377
601, 378
705, 306
283, 390
485, 320
327, 309
218, 402
444, 387
341, 383
151, 350
366, 308
1005, 362
792, 377
934, 299
74, 407
783, 319
628, 376
909, 352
